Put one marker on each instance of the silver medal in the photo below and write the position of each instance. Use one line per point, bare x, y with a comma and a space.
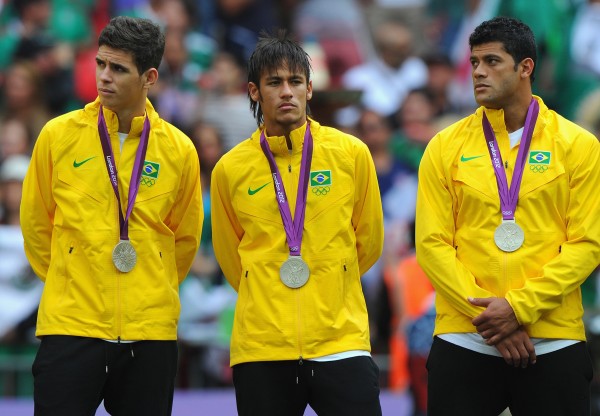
509, 236
294, 272
124, 256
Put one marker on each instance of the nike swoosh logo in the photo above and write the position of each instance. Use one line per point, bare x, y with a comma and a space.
466, 159
253, 191
77, 164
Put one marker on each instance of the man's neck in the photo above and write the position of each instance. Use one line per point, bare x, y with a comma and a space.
515, 114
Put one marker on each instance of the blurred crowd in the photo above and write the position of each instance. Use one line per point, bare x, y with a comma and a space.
392, 72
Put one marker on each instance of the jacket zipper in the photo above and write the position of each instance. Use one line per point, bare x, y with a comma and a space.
299, 326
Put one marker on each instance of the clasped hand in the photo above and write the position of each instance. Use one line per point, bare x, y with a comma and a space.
499, 326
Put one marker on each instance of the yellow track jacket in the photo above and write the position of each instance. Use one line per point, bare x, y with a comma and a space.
458, 210
70, 221
343, 237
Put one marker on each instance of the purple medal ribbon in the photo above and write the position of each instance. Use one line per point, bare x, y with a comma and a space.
134, 183
293, 229
509, 197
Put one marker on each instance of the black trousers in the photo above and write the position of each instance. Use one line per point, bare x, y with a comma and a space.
348, 387
72, 375
462, 382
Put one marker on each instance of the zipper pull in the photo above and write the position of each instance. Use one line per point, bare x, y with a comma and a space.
300, 362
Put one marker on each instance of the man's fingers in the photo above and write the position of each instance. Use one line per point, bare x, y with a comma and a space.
480, 301
531, 350
524, 356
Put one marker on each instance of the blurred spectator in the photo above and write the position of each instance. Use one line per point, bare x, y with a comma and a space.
585, 38
457, 32
207, 302
21, 18
14, 138
225, 100
237, 24
588, 113
443, 85
20, 289
188, 54
398, 188
181, 16
386, 79
411, 13
176, 94
54, 63
22, 96
339, 29
417, 124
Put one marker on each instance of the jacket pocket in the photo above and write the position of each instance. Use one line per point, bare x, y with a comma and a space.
74, 185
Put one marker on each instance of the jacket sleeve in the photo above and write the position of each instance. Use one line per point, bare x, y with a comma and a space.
580, 253
367, 217
187, 215
38, 206
227, 232
434, 239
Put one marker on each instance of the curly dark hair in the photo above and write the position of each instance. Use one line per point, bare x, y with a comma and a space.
516, 37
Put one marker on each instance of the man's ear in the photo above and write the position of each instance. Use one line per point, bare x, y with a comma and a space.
151, 77
527, 66
253, 91
309, 90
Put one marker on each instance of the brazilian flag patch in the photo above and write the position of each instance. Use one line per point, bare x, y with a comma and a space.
320, 178
538, 157
150, 169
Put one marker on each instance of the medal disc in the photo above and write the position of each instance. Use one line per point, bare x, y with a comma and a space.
509, 236
294, 272
124, 256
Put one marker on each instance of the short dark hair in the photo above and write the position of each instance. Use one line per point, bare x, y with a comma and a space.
274, 51
516, 37
143, 38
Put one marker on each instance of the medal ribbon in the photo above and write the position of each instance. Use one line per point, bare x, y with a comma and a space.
295, 228
134, 183
509, 197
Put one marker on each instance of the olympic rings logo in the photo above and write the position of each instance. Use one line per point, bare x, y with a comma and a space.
321, 190
538, 168
147, 181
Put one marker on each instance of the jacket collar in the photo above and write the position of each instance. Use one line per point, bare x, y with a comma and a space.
112, 122
278, 144
496, 116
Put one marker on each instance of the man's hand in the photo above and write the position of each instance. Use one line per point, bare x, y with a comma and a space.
517, 349
497, 321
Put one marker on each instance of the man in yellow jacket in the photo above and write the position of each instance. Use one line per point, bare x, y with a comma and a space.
507, 231
111, 216
297, 219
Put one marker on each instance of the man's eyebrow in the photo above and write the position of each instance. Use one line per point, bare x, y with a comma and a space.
111, 63
487, 55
